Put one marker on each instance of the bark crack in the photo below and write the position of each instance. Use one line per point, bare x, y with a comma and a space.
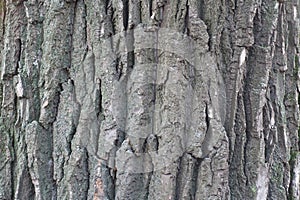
179, 178
125, 14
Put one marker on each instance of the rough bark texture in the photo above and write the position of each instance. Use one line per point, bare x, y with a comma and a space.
149, 99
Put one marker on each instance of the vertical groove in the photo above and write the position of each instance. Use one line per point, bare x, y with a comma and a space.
179, 177
150, 2
195, 178
125, 14
156, 63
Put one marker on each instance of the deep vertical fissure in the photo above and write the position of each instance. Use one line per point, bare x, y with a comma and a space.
248, 118
156, 61
179, 177
207, 120
11, 134
195, 175
186, 19
150, 7
18, 55
87, 157
125, 13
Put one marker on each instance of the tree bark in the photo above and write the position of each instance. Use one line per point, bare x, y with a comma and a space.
149, 99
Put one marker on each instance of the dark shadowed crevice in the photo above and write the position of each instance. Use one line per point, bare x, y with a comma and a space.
177, 9
121, 136
106, 6
230, 72
150, 2
13, 162
248, 120
248, 100
130, 45
36, 75
186, 19
179, 177
125, 14
111, 12
235, 4
150, 144
139, 13
98, 98
203, 14
210, 40
18, 53
207, 120
119, 67
160, 11
237, 179
195, 175
87, 157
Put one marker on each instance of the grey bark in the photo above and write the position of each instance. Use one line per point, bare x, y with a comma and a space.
149, 99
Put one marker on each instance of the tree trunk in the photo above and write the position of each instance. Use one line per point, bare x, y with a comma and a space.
149, 99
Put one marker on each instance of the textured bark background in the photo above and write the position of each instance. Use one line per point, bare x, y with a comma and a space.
149, 99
